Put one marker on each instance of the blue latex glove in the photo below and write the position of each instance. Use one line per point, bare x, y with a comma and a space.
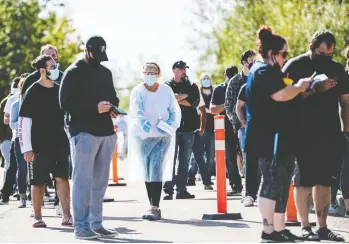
146, 126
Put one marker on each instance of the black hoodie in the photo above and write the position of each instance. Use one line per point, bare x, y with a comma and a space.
83, 86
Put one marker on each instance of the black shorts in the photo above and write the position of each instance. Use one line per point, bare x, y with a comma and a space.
320, 166
47, 163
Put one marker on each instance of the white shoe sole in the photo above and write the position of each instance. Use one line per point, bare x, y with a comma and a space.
87, 238
110, 235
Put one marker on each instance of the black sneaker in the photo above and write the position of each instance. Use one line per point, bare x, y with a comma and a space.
208, 187
287, 233
309, 235
235, 191
191, 182
327, 235
273, 237
346, 214
184, 195
168, 196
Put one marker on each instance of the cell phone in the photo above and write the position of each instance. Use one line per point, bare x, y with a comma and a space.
117, 110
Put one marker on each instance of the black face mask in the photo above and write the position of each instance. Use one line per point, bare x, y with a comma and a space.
93, 61
184, 78
322, 59
250, 65
276, 64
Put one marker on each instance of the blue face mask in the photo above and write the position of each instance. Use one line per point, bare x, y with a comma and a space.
150, 80
54, 74
206, 83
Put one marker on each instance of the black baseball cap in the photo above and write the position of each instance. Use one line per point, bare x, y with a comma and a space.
180, 65
98, 46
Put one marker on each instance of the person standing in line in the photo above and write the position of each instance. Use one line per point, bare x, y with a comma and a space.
21, 164
43, 140
87, 95
270, 132
321, 138
188, 97
35, 76
217, 106
151, 148
11, 166
344, 177
233, 90
5, 139
202, 146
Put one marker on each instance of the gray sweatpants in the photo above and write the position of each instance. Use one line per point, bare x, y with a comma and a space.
91, 157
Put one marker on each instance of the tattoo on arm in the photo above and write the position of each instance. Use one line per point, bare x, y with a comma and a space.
265, 223
318, 213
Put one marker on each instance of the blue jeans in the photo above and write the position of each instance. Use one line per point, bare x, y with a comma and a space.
202, 145
22, 169
184, 145
91, 157
5, 148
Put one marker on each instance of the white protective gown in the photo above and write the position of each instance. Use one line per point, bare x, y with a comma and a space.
151, 154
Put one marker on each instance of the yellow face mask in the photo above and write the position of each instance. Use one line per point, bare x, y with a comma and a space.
288, 81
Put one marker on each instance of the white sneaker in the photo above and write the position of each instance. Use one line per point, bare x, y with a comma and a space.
58, 210
333, 209
248, 201
198, 177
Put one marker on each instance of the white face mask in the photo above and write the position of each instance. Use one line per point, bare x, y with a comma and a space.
54, 74
150, 80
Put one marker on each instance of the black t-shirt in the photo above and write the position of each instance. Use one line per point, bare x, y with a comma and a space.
319, 114
242, 93
35, 76
218, 98
42, 106
190, 119
266, 117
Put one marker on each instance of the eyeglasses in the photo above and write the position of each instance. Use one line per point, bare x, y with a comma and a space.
284, 54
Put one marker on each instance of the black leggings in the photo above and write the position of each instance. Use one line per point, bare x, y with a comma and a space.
154, 192
276, 180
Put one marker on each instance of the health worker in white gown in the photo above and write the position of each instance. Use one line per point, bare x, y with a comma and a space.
154, 118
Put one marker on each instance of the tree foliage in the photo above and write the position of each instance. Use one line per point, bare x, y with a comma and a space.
27, 25
235, 32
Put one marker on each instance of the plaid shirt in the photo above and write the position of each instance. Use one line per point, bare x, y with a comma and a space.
231, 98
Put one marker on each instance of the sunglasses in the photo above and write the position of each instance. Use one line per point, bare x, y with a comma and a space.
284, 54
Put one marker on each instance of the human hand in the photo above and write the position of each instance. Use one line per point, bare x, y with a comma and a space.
325, 85
146, 126
201, 131
113, 115
103, 107
303, 84
29, 157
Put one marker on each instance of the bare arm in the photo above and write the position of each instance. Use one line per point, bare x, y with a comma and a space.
344, 102
240, 112
217, 109
203, 118
180, 97
185, 103
290, 92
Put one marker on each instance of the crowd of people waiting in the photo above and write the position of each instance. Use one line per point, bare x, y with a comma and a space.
283, 124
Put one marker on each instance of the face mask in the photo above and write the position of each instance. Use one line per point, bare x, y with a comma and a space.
52, 74
150, 80
92, 61
322, 59
206, 83
184, 78
250, 65
276, 64
206, 91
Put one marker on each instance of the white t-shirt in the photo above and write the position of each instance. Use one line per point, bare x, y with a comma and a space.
10, 101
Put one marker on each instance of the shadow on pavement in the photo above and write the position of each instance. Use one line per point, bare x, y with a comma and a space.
123, 230
126, 240
128, 219
128, 201
203, 223
61, 229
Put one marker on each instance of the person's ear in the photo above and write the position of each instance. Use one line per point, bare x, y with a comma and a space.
311, 46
